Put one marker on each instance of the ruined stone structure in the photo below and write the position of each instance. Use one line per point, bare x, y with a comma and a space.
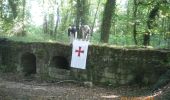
109, 65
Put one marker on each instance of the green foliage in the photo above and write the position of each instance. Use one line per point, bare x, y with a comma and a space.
95, 38
5, 26
39, 37
119, 39
121, 24
35, 34
158, 41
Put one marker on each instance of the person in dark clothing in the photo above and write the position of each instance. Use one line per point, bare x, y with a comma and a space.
72, 33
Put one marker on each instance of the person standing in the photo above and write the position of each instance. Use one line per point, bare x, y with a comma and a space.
72, 33
85, 30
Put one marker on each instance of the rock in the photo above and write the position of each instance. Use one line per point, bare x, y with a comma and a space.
88, 84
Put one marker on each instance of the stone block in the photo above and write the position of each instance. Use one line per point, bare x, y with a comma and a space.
108, 75
130, 77
123, 82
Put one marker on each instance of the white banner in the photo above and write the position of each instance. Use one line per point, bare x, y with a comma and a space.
79, 54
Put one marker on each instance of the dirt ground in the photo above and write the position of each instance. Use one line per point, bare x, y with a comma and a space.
13, 87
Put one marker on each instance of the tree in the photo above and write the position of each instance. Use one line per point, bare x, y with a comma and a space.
85, 12
82, 14
12, 16
107, 18
95, 16
78, 17
151, 20
13, 6
23, 17
49, 17
57, 20
135, 20
168, 33
152, 16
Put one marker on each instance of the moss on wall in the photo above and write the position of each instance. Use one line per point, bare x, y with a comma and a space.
40, 53
105, 64
7, 58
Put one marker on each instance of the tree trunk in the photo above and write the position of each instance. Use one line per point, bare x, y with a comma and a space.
168, 24
13, 6
135, 24
51, 24
57, 20
82, 15
85, 12
94, 20
45, 22
78, 18
151, 18
23, 19
64, 22
128, 29
1, 6
107, 19
45, 25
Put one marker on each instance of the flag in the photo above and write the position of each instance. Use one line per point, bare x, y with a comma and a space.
79, 54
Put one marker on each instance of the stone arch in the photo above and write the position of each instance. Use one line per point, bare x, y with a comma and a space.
59, 62
28, 63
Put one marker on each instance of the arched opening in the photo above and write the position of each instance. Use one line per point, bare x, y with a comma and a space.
28, 63
59, 62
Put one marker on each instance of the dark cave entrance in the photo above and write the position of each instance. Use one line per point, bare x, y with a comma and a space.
59, 62
28, 63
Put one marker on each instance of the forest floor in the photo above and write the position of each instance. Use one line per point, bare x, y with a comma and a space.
13, 87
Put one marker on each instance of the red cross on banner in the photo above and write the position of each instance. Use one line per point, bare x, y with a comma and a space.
79, 51
79, 54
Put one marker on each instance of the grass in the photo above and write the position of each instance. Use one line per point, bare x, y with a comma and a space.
157, 41
39, 37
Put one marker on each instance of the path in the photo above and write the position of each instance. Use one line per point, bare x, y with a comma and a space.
11, 89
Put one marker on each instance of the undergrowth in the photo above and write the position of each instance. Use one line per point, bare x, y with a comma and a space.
118, 39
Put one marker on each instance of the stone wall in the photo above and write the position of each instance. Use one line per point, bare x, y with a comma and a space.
108, 65
119, 66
